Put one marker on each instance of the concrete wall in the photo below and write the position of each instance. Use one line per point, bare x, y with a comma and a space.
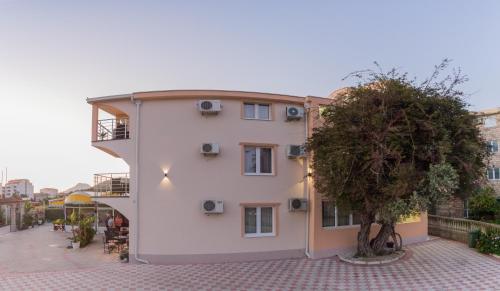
171, 135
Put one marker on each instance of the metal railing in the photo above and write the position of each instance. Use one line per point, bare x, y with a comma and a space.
456, 228
111, 185
111, 129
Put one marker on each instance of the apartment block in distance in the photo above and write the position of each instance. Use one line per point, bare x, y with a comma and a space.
219, 176
21, 187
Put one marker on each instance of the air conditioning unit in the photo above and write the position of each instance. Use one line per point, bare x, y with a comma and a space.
294, 112
297, 204
295, 151
212, 206
209, 106
210, 148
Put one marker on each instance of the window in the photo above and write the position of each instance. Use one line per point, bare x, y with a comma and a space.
494, 173
490, 121
259, 221
257, 111
258, 160
333, 216
492, 146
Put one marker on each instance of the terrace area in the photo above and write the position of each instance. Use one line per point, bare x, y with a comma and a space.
45, 263
111, 185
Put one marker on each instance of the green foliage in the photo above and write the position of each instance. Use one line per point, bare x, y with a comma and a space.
2, 217
73, 220
489, 242
52, 214
442, 181
389, 146
28, 215
483, 205
86, 230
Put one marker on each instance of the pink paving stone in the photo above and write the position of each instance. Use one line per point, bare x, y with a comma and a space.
433, 265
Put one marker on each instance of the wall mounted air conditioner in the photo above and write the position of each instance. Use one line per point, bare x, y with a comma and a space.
297, 204
210, 148
294, 113
295, 151
209, 106
212, 206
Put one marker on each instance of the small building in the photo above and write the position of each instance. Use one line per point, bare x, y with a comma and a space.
51, 192
40, 196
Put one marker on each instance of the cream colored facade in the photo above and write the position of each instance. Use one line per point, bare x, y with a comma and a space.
169, 178
490, 128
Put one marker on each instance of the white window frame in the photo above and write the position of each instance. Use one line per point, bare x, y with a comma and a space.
257, 161
491, 146
256, 111
259, 222
495, 177
337, 226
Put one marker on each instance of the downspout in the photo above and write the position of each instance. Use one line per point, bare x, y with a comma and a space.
306, 178
137, 138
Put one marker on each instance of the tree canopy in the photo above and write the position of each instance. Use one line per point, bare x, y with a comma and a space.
389, 146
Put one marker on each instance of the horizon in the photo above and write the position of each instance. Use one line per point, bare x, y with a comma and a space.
57, 54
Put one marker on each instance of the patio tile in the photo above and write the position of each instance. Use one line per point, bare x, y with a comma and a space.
434, 265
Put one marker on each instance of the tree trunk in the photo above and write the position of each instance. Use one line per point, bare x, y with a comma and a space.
364, 248
382, 237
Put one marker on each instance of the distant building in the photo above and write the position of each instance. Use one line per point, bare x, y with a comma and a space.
490, 128
52, 192
21, 187
40, 196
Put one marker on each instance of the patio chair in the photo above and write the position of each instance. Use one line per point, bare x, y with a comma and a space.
109, 242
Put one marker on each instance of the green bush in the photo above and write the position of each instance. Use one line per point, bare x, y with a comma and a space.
489, 242
483, 205
86, 230
52, 214
27, 220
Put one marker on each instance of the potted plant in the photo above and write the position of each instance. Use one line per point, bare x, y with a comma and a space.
73, 219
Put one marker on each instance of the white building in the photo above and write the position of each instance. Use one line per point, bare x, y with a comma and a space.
21, 187
52, 192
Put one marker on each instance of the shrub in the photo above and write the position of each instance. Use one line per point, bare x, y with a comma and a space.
489, 242
27, 220
483, 205
86, 230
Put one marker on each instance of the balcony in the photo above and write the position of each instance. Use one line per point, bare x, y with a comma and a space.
111, 185
112, 129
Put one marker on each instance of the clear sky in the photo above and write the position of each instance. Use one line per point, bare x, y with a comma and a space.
54, 54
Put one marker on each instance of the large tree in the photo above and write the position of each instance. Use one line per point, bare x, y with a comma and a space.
389, 146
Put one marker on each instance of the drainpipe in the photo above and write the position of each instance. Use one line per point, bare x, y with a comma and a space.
137, 139
306, 178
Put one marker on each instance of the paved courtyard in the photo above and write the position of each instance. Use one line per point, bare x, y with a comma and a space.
434, 265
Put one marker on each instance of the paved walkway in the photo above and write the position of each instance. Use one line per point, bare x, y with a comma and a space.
42, 250
433, 265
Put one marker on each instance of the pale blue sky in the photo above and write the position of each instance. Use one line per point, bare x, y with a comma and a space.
54, 54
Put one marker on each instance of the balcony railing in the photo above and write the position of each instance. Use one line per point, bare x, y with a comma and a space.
111, 185
112, 129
